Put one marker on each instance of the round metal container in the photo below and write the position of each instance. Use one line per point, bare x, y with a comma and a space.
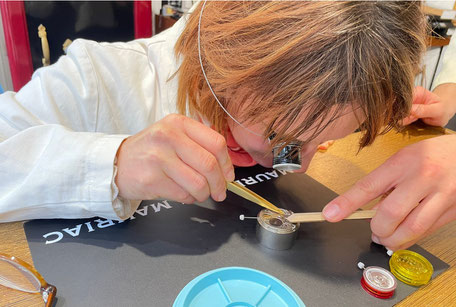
274, 231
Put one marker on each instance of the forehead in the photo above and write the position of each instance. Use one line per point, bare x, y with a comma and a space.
331, 120
333, 124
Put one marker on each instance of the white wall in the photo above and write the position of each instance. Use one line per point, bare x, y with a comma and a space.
5, 74
439, 65
439, 4
431, 61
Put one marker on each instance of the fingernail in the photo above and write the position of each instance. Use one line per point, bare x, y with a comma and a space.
331, 211
221, 196
375, 239
229, 176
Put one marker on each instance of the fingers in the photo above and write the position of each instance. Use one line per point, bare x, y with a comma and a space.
176, 158
420, 95
188, 179
431, 108
409, 119
213, 142
394, 208
197, 162
151, 188
430, 215
444, 219
368, 188
433, 114
169, 189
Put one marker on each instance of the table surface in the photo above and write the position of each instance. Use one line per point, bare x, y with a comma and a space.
340, 161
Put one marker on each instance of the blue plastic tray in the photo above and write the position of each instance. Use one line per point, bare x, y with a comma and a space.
237, 287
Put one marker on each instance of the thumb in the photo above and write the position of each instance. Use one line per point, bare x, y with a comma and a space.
426, 110
408, 120
420, 95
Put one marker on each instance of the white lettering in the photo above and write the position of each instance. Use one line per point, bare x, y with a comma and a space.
89, 226
249, 180
258, 177
159, 205
104, 223
238, 181
273, 174
74, 232
142, 211
55, 233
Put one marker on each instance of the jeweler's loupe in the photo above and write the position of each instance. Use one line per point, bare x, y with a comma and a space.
286, 158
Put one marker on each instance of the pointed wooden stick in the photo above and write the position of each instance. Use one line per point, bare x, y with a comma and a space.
318, 216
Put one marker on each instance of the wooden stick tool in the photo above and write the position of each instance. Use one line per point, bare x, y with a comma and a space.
318, 216
252, 196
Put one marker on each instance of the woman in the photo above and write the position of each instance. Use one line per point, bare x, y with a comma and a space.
97, 131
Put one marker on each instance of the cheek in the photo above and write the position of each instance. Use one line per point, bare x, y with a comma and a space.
342, 129
247, 140
346, 131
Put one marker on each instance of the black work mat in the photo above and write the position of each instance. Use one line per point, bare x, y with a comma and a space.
147, 260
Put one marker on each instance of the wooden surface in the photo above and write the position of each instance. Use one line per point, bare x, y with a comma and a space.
338, 168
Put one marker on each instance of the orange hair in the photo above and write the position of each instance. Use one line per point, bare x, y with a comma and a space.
303, 56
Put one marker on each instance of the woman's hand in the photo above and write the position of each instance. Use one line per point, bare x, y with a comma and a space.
422, 181
433, 108
176, 158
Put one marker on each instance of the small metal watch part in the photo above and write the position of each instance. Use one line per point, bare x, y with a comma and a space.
274, 231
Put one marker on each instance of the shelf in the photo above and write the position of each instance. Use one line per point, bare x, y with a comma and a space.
437, 42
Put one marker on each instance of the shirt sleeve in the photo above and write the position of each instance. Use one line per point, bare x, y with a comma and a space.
448, 72
54, 163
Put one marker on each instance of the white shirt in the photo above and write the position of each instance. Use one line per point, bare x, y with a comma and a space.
60, 133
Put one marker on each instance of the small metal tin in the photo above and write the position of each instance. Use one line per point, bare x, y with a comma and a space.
274, 231
378, 282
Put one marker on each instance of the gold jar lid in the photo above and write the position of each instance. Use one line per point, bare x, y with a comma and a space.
411, 268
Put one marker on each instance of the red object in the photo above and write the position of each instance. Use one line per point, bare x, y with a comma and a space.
17, 42
17, 36
374, 292
142, 11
